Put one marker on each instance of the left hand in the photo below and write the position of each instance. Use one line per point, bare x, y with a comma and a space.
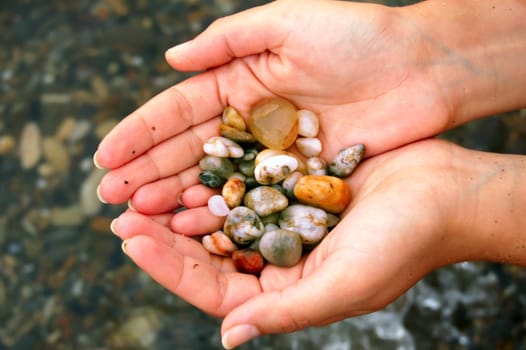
397, 228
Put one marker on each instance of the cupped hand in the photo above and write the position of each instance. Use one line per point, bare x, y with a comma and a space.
361, 67
397, 228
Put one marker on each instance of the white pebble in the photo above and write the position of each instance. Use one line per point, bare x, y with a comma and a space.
218, 206
30, 145
56, 154
274, 169
316, 166
308, 123
309, 146
222, 147
89, 202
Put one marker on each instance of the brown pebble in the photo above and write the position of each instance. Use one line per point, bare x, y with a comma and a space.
248, 261
327, 192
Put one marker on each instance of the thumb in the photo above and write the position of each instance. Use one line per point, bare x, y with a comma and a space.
325, 296
242, 34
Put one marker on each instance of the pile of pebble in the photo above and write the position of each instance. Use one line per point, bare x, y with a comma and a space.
277, 203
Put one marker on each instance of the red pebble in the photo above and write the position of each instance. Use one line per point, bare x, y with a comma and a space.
248, 261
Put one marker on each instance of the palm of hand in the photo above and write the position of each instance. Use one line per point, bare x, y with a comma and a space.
366, 262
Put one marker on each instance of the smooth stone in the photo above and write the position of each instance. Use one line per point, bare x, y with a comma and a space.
233, 118
219, 244
347, 160
274, 123
30, 145
274, 169
309, 222
56, 154
218, 206
281, 247
248, 261
233, 191
308, 123
218, 165
222, 147
211, 179
270, 219
332, 220
327, 192
67, 216
247, 167
267, 153
309, 146
265, 200
250, 154
235, 135
7, 144
289, 182
65, 128
243, 225
316, 166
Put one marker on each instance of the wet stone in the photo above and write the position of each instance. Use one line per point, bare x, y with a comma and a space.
274, 169
243, 225
211, 179
347, 160
316, 166
233, 191
248, 261
265, 200
327, 192
309, 146
218, 165
218, 206
281, 247
236, 135
308, 123
231, 117
309, 222
219, 244
274, 123
222, 147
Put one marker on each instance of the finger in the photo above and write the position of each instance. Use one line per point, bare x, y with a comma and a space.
196, 221
166, 194
197, 196
166, 159
231, 37
314, 300
198, 282
174, 110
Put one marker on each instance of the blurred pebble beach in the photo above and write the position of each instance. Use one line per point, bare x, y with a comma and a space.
69, 71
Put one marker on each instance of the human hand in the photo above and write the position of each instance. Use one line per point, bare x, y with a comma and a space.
153, 152
413, 210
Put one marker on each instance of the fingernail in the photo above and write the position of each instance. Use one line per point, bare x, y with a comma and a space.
112, 226
238, 335
178, 48
96, 162
180, 200
130, 205
123, 246
99, 196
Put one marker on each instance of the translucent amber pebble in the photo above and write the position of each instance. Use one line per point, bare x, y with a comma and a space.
274, 123
327, 192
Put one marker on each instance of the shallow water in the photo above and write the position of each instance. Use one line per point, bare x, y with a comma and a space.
74, 69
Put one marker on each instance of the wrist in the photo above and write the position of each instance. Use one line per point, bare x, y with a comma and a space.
474, 51
491, 205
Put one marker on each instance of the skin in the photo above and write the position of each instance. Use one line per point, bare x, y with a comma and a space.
385, 77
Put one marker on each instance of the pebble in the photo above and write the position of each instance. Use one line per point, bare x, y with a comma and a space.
274, 169
309, 222
7, 144
347, 160
281, 247
218, 206
316, 166
327, 192
232, 118
211, 179
243, 225
218, 165
218, 243
308, 123
30, 145
65, 128
274, 123
289, 182
236, 135
222, 147
309, 146
248, 261
67, 216
56, 154
233, 191
265, 200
